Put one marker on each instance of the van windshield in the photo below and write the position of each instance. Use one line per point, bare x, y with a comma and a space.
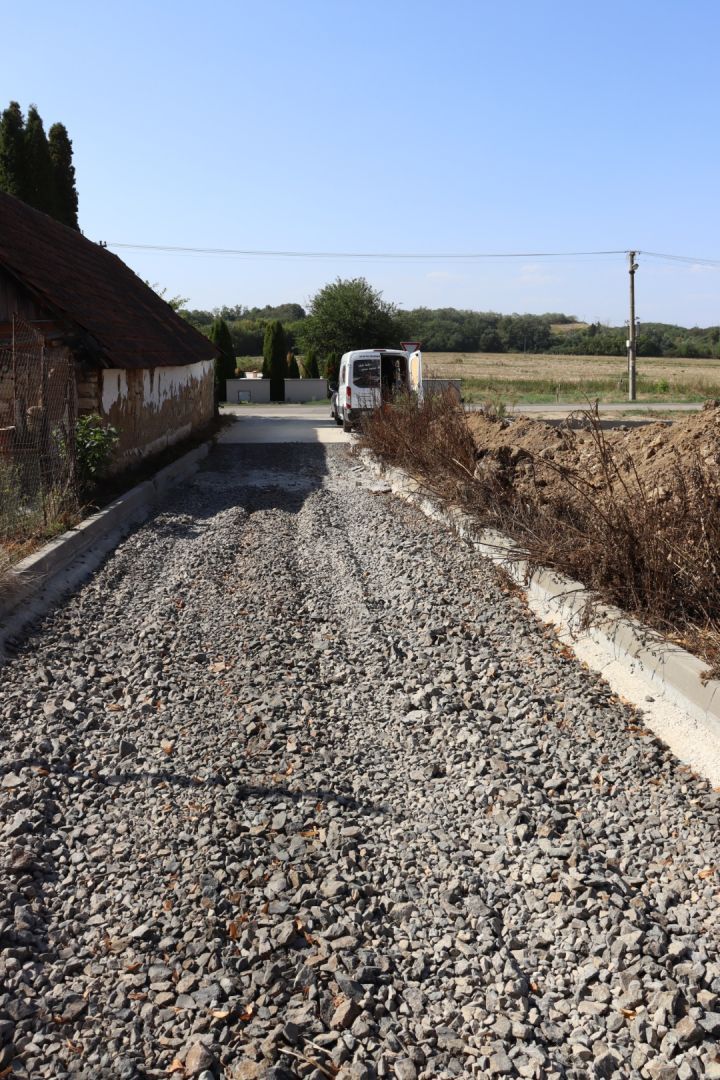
366, 372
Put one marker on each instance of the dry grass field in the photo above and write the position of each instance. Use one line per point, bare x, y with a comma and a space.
527, 378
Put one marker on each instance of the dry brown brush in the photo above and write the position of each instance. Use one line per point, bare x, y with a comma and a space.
652, 548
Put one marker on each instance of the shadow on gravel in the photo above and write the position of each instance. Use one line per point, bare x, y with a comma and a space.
277, 476
219, 780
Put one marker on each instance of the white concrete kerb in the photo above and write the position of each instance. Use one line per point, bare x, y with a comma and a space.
30, 588
656, 676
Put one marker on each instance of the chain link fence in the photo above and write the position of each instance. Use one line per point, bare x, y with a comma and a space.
38, 411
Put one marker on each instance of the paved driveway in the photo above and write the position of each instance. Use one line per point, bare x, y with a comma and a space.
282, 424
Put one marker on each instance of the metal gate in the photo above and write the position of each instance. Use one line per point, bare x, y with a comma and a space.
38, 410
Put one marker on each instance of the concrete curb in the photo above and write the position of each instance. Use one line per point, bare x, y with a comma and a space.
638, 662
34, 584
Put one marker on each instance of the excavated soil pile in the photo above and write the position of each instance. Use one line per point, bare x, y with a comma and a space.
532, 454
634, 514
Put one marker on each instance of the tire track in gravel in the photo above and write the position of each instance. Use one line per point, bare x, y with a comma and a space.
294, 785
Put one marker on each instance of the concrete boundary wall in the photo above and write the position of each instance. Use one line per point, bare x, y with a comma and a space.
257, 391
254, 391
644, 668
298, 391
30, 588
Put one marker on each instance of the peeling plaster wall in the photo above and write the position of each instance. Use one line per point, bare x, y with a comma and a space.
114, 388
155, 407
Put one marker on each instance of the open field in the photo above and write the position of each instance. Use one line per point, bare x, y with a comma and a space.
525, 377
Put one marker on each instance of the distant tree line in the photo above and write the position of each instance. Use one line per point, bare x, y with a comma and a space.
247, 326
36, 167
350, 314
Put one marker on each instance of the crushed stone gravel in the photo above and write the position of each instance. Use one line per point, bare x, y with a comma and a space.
294, 786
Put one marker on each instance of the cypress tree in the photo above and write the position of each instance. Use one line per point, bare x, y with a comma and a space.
274, 352
267, 350
13, 173
225, 364
40, 190
66, 199
293, 371
310, 363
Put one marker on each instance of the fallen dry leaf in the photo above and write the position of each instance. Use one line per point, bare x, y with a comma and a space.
176, 1066
629, 1014
707, 872
167, 746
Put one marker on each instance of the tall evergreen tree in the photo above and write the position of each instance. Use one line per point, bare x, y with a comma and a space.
293, 371
267, 350
40, 190
225, 363
66, 199
13, 172
274, 363
310, 364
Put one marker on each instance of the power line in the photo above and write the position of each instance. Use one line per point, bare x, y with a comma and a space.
379, 255
419, 256
680, 258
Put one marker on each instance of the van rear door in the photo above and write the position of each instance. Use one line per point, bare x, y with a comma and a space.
365, 380
415, 374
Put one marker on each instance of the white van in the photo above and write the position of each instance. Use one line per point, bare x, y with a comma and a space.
369, 377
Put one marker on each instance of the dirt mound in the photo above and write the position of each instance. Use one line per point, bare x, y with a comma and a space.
632, 513
534, 452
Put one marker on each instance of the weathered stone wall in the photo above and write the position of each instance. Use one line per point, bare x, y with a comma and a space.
152, 408
88, 389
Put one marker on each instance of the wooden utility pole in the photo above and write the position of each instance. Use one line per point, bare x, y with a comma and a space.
631, 345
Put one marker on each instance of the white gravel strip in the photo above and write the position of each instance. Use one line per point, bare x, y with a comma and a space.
294, 786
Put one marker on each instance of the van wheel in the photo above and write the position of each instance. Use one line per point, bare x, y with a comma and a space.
338, 420
347, 426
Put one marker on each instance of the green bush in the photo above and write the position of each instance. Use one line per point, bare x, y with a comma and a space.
94, 444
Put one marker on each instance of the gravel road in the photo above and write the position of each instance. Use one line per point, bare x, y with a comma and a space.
293, 786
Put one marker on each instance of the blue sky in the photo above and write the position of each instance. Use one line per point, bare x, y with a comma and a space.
392, 126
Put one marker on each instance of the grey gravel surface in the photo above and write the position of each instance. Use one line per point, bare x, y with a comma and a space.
293, 786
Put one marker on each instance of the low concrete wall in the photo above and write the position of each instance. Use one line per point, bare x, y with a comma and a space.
256, 391
299, 390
